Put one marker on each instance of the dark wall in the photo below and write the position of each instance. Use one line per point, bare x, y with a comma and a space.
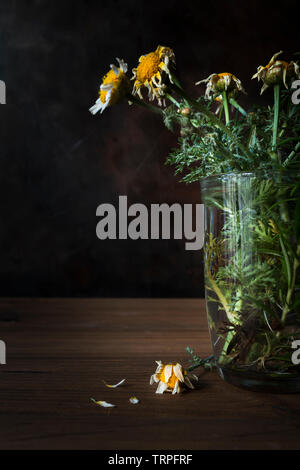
58, 163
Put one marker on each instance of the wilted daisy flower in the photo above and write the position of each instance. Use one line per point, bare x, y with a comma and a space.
219, 82
115, 85
169, 377
151, 72
276, 72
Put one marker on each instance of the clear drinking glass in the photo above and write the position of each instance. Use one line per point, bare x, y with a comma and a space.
252, 278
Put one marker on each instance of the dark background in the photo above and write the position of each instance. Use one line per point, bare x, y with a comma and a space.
58, 163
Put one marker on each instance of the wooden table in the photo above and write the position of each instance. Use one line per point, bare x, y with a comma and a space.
60, 351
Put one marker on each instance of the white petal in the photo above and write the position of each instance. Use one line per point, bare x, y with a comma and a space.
104, 404
176, 388
123, 65
162, 387
107, 87
178, 372
134, 400
275, 56
227, 80
284, 78
115, 69
264, 88
114, 386
97, 107
188, 382
168, 372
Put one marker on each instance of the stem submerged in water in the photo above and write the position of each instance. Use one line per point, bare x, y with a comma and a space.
291, 287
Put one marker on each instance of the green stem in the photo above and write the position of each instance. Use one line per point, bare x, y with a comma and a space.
170, 97
219, 294
223, 356
238, 107
201, 363
211, 117
148, 106
176, 82
276, 116
226, 107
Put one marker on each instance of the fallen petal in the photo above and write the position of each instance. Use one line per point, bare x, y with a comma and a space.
114, 386
134, 400
104, 404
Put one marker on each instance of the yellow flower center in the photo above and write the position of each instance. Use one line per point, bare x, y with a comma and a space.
224, 74
118, 82
148, 67
172, 380
227, 74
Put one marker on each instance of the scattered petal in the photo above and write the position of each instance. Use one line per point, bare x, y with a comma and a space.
104, 404
134, 400
114, 386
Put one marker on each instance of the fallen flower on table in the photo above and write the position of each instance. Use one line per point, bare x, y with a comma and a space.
134, 401
104, 404
169, 377
114, 386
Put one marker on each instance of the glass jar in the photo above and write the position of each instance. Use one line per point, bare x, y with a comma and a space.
252, 278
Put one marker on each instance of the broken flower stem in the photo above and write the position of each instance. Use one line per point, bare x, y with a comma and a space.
202, 363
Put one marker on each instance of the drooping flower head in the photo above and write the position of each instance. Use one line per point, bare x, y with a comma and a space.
219, 82
276, 72
115, 85
152, 71
169, 377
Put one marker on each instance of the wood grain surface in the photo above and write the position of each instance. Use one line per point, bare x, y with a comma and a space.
60, 351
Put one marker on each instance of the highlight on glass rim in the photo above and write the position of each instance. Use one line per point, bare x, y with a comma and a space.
248, 163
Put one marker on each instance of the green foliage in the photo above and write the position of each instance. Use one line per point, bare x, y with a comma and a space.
205, 150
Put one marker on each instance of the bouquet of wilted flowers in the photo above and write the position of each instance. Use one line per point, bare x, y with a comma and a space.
249, 164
